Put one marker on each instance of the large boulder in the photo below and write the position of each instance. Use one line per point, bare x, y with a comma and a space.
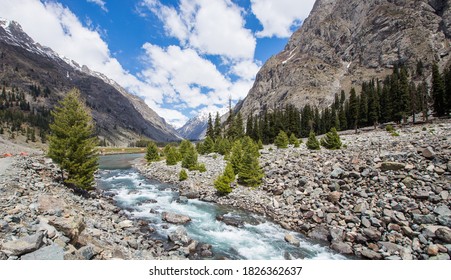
292, 240
320, 233
24, 245
179, 235
444, 234
175, 218
52, 252
70, 226
230, 220
394, 166
342, 247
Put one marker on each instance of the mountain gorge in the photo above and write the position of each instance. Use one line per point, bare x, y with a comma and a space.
345, 43
120, 117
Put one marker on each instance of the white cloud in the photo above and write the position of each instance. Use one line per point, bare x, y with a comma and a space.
100, 3
173, 77
213, 27
279, 17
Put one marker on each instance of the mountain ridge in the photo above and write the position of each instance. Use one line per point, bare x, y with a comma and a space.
344, 43
120, 116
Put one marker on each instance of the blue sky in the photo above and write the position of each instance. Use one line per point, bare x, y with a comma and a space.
181, 56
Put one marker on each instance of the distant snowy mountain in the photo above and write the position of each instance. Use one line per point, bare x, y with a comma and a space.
196, 128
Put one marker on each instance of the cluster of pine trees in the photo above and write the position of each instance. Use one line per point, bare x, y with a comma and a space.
17, 116
402, 95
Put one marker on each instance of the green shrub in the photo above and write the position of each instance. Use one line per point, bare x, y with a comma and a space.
332, 140
294, 140
201, 167
183, 175
389, 128
312, 142
152, 153
281, 140
172, 156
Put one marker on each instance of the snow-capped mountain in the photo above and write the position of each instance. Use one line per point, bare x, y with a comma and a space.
196, 128
120, 116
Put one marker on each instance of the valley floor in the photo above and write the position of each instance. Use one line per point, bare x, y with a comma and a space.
381, 197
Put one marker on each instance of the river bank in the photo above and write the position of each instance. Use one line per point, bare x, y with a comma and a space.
382, 197
42, 219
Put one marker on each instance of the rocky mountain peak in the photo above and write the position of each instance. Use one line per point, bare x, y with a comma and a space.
345, 42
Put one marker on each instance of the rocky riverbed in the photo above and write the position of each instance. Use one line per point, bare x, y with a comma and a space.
42, 219
380, 197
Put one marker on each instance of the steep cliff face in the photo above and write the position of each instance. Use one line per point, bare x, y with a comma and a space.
345, 42
120, 117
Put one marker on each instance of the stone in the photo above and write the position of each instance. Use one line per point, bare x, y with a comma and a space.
337, 234
423, 219
174, 218
70, 226
319, 233
230, 220
408, 182
441, 257
25, 244
334, 196
444, 234
392, 166
179, 235
52, 252
428, 153
370, 254
3, 226
432, 250
48, 204
86, 252
125, 224
292, 240
365, 222
442, 210
406, 254
429, 230
342, 247
445, 220
390, 247
372, 234
337, 173
439, 171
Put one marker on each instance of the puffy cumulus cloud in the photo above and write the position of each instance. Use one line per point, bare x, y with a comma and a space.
279, 17
99, 3
213, 27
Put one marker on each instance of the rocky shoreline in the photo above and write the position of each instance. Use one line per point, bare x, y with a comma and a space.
381, 197
42, 219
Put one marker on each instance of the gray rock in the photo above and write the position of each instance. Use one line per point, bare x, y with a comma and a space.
337, 234
394, 166
292, 240
365, 222
230, 220
444, 234
445, 220
179, 235
319, 233
174, 218
432, 250
342, 247
441, 257
428, 153
337, 173
52, 252
408, 182
372, 234
442, 210
3, 226
423, 219
182, 200
390, 247
86, 252
125, 224
370, 254
25, 244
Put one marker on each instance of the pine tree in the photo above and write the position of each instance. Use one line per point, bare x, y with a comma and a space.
236, 156
260, 144
294, 141
438, 92
208, 145
331, 140
281, 140
171, 155
312, 142
184, 147
217, 126
223, 182
353, 109
210, 128
183, 175
190, 157
152, 153
71, 144
250, 173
